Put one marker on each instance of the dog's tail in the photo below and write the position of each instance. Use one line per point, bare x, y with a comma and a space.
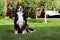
29, 29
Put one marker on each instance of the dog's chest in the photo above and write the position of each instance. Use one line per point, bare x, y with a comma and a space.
20, 20
20, 16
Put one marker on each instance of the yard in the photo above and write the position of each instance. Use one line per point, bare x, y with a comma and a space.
49, 31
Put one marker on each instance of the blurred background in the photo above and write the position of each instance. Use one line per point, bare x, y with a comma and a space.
32, 8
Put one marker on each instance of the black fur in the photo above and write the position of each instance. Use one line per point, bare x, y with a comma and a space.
24, 18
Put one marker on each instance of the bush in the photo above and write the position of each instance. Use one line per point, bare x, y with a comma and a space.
2, 7
35, 20
12, 5
11, 9
30, 7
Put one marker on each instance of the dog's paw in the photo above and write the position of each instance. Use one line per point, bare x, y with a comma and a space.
16, 32
32, 31
24, 32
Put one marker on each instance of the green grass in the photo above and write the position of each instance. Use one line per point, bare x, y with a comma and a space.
49, 31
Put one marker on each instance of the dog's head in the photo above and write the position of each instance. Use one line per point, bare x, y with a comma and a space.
20, 8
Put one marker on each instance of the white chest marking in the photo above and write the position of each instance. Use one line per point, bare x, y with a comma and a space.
20, 20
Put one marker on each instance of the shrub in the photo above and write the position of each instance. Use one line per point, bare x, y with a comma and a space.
12, 5
35, 20
30, 7
2, 7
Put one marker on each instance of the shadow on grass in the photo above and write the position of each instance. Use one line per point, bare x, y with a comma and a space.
7, 28
41, 33
9, 31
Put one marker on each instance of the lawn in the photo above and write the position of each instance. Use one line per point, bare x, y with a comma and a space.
49, 31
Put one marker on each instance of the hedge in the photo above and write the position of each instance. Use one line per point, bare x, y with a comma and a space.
2, 7
35, 20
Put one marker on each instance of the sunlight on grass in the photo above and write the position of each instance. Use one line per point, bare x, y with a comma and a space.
6, 21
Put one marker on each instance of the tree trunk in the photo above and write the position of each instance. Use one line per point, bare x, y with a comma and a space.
45, 18
36, 16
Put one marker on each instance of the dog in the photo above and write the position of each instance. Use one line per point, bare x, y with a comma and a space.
20, 21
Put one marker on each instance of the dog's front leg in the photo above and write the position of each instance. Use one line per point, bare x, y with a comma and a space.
24, 31
16, 31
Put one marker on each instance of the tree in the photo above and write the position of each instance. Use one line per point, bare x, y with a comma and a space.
30, 6
57, 5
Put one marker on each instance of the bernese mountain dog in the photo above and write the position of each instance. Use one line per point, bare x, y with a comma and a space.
20, 21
